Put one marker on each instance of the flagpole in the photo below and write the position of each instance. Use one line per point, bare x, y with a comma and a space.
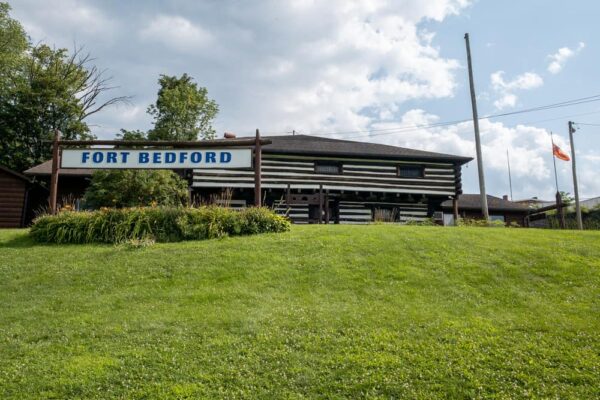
554, 160
509, 177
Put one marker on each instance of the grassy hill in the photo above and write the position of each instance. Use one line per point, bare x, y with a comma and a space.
322, 311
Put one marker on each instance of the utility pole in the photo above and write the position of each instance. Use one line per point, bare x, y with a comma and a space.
484, 205
575, 185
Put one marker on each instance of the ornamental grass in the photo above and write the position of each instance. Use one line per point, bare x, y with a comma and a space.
160, 224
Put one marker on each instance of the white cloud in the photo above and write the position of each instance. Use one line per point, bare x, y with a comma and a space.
529, 148
176, 32
526, 81
59, 19
560, 58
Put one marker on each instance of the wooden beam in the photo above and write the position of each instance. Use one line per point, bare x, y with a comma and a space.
455, 209
257, 169
55, 171
242, 142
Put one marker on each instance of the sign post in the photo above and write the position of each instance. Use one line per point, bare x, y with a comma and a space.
55, 168
146, 154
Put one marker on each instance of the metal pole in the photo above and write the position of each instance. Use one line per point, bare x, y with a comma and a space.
257, 170
509, 176
575, 185
55, 171
554, 161
484, 205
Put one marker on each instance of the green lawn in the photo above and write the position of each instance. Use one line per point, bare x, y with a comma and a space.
320, 312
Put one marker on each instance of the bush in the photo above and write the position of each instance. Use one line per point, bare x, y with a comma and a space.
135, 188
161, 224
481, 223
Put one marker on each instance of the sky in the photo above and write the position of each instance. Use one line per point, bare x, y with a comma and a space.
379, 71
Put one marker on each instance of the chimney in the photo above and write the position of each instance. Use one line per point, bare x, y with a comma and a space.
505, 197
229, 135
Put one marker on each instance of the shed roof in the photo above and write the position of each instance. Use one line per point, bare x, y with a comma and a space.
15, 174
473, 202
45, 168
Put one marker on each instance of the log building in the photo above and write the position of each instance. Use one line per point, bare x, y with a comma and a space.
320, 180
313, 179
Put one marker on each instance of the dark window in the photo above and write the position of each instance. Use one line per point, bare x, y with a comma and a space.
328, 168
410, 171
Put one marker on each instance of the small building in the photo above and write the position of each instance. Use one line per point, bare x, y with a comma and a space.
20, 197
499, 209
320, 180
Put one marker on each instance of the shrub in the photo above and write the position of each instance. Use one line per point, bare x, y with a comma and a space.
480, 223
160, 224
135, 188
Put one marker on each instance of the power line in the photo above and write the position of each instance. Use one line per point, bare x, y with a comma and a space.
585, 124
387, 131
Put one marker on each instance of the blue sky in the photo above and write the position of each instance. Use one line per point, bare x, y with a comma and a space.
359, 67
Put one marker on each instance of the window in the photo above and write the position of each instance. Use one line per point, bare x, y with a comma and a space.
328, 168
410, 171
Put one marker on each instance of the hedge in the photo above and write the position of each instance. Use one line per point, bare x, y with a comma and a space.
160, 224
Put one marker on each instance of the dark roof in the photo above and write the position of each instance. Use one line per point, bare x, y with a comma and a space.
473, 202
45, 168
15, 174
309, 145
314, 145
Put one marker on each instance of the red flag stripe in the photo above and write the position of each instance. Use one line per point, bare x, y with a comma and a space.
558, 153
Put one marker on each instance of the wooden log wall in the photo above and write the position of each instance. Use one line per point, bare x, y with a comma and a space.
12, 200
357, 175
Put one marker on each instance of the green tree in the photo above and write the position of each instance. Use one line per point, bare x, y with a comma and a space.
132, 135
43, 89
182, 110
13, 44
132, 188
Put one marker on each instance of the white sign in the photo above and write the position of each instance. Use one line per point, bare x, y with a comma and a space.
156, 159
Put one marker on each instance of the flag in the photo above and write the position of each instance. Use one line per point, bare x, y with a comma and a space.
558, 153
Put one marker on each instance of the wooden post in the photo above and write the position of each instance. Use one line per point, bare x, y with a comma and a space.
455, 209
320, 204
257, 170
560, 211
55, 172
327, 206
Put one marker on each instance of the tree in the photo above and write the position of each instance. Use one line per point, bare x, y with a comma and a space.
132, 135
566, 198
132, 188
43, 89
182, 110
13, 44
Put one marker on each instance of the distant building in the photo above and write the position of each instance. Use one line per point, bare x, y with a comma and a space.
534, 202
500, 209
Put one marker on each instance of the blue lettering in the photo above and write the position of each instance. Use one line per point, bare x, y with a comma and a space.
111, 157
85, 156
170, 158
182, 157
156, 157
225, 157
98, 157
124, 155
211, 157
144, 158
196, 157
